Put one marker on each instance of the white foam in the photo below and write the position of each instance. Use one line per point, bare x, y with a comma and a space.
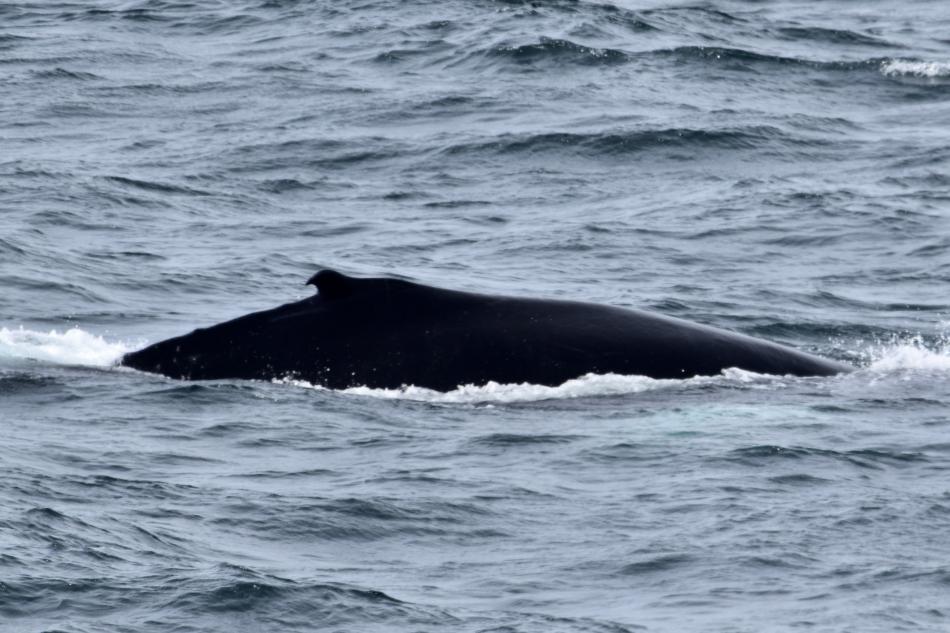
907, 68
586, 386
78, 347
70, 347
909, 355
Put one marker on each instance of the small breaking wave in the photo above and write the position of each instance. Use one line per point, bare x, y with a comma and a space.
912, 68
589, 385
70, 347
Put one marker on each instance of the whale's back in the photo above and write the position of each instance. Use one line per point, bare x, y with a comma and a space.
389, 333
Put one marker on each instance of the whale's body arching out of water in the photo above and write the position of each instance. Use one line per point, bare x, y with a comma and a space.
387, 333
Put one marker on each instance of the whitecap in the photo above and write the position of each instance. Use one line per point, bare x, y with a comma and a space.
910, 68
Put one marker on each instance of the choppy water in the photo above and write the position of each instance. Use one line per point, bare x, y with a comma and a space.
781, 169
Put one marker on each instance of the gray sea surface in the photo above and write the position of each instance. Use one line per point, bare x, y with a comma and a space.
780, 168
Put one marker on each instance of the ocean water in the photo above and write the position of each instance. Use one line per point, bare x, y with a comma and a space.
780, 169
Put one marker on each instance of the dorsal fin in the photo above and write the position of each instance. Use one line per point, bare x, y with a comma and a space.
331, 284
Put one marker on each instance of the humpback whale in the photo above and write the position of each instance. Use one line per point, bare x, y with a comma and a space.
387, 333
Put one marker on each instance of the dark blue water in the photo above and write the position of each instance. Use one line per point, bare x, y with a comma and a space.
781, 169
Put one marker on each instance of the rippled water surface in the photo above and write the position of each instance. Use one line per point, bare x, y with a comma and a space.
781, 169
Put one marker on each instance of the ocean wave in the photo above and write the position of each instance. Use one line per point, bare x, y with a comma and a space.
763, 454
180, 16
156, 187
399, 55
606, 13
720, 54
560, 51
914, 68
62, 73
707, 14
833, 36
70, 347
630, 142
350, 518
226, 591
660, 563
549, 49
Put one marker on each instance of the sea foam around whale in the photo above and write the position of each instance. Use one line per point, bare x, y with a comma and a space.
589, 385
77, 347
68, 347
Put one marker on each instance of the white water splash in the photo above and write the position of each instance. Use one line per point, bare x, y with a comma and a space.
907, 68
589, 385
70, 347
909, 355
